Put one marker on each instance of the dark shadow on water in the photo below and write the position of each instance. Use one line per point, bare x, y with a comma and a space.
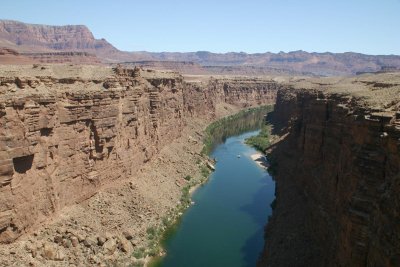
251, 249
259, 210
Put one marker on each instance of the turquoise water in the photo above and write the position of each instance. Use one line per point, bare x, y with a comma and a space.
225, 225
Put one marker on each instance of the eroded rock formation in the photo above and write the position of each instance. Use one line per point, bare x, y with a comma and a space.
63, 58
68, 131
42, 38
338, 174
10, 56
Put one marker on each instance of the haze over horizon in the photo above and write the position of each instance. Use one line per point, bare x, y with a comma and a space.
367, 27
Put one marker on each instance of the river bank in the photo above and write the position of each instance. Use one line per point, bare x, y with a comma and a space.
260, 159
231, 209
129, 215
216, 133
122, 217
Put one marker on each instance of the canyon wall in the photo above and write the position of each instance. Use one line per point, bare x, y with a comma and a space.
11, 56
67, 131
337, 169
46, 38
244, 92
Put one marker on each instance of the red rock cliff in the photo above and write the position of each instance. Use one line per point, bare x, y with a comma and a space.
64, 38
67, 131
338, 169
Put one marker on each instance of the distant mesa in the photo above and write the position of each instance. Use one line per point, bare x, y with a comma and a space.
49, 44
30, 39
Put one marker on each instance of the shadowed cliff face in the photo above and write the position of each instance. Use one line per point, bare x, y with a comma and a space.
68, 131
338, 176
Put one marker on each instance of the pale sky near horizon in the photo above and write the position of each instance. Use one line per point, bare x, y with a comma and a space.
252, 26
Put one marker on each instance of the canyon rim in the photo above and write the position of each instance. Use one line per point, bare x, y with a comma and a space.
99, 148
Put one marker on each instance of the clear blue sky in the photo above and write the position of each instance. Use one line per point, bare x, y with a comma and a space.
366, 26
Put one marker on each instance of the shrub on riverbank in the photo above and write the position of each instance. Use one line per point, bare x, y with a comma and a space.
245, 120
215, 133
260, 141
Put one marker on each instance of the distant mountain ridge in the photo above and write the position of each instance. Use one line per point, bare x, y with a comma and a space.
32, 38
326, 64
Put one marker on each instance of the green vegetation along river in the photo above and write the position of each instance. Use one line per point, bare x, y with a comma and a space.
225, 225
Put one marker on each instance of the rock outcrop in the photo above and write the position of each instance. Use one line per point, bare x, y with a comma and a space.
42, 38
245, 92
66, 132
11, 56
57, 42
337, 173
82, 58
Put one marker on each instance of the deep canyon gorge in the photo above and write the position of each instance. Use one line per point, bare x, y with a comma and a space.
100, 149
92, 156
82, 151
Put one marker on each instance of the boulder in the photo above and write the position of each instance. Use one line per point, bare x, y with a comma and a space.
125, 245
127, 234
110, 246
74, 241
101, 240
60, 255
58, 239
49, 251
89, 242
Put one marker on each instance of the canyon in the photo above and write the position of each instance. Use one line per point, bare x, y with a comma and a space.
336, 165
94, 150
86, 150
92, 156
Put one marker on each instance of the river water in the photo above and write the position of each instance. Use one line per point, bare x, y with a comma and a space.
225, 225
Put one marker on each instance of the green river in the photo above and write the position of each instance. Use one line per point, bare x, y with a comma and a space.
224, 227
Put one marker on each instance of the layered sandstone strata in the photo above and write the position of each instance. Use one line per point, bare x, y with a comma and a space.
337, 174
68, 131
10, 56
62, 136
64, 58
42, 38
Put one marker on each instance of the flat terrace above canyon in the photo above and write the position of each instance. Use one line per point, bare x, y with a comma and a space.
56, 71
41, 80
66, 73
374, 90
